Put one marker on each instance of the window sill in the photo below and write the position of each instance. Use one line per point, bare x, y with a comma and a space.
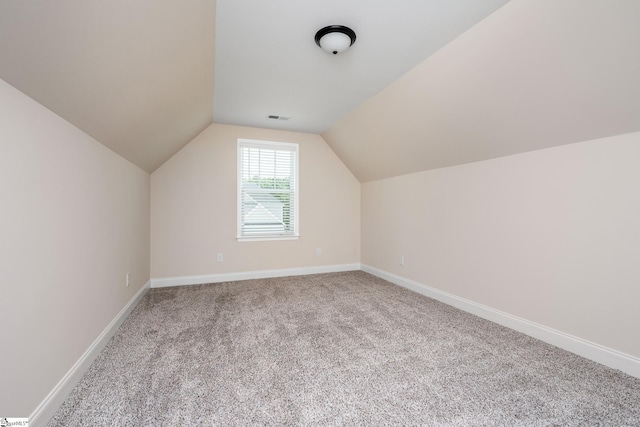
265, 238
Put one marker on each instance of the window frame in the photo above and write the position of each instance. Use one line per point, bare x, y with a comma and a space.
267, 145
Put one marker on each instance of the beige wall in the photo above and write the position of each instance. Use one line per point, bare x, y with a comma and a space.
552, 236
193, 208
74, 219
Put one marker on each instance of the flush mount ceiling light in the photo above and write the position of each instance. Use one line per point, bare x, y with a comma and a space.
335, 38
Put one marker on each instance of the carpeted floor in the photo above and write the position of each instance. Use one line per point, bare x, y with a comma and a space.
334, 349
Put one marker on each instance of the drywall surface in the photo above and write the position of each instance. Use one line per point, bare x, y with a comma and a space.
532, 75
74, 219
551, 236
137, 76
194, 208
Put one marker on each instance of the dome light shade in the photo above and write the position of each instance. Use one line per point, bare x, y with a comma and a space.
335, 38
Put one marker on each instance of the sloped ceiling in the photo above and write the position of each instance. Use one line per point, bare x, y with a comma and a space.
267, 61
139, 75
535, 74
136, 75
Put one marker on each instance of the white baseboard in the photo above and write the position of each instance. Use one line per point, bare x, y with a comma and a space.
163, 282
47, 409
596, 352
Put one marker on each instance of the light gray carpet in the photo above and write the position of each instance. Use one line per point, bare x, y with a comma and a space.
334, 349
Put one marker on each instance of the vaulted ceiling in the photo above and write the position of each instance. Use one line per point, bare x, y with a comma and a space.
428, 83
535, 74
135, 75
267, 62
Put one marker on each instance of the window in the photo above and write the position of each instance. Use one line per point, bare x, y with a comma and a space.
267, 190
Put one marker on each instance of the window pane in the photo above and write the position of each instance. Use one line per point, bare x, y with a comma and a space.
267, 189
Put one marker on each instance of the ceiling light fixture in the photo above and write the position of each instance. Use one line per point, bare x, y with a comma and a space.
335, 38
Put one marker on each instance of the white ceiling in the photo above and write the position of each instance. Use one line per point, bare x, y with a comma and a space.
535, 74
267, 61
135, 75
428, 83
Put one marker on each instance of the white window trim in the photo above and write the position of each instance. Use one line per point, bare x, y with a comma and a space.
274, 145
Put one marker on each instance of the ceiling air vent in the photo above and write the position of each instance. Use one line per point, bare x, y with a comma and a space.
274, 117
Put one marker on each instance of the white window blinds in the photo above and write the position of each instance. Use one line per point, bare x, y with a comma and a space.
267, 190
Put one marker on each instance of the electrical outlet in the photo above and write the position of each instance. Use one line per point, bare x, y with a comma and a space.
318, 251
220, 257
127, 280
402, 260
